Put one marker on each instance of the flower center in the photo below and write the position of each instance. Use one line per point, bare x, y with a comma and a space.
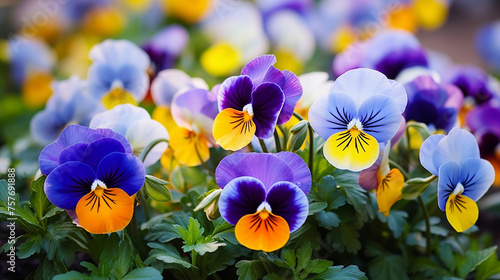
98, 183
117, 84
356, 124
458, 189
249, 109
264, 206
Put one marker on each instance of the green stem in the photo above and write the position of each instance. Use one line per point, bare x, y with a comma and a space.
427, 227
395, 164
311, 142
277, 140
203, 163
263, 146
149, 147
194, 257
144, 203
133, 224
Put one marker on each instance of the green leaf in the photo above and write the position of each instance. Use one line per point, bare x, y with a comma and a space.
473, 259
38, 199
75, 275
316, 266
328, 220
146, 273
386, 267
346, 237
203, 248
329, 193
304, 254
356, 195
52, 211
489, 267
315, 207
157, 189
299, 134
191, 234
289, 255
138, 262
446, 255
351, 272
32, 245
166, 253
250, 270
396, 222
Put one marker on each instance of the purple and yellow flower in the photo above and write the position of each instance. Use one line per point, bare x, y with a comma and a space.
463, 176
94, 173
264, 195
362, 109
193, 112
254, 102
70, 103
483, 123
118, 73
433, 104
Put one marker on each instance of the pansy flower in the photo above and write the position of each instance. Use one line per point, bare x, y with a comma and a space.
93, 173
463, 176
135, 124
474, 83
118, 73
264, 195
193, 112
362, 109
70, 103
435, 105
254, 102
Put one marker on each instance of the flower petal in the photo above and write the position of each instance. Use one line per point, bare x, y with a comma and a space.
68, 183
331, 114
124, 171
449, 177
259, 68
119, 118
185, 142
73, 153
293, 91
104, 132
368, 178
427, 152
235, 92
98, 149
462, 212
105, 210
301, 173
233, 129
269, 169
267, 101
389, 190
477, 176
143, 132
266, 232
458, 146
242, 196
289, 202
351, 149
380, 117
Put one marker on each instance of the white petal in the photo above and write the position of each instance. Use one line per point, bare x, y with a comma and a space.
141, 133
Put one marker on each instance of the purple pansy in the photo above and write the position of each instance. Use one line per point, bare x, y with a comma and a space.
472, 81
166, 46
433, 104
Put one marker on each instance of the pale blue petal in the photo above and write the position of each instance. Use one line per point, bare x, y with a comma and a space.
449, 177
427, 152
477, 176
380, 117
458, 146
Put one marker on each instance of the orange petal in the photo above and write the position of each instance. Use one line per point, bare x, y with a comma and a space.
105, 210
389, 190
233, 129
262, 231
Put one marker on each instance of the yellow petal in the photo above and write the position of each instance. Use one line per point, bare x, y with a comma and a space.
389, 190
191, 11
104, 21
233, 129
341, 39
461, 211
351, 149
220, 59
262, 231
288, 61
168, 160
36, 89
163, 115
185, 142
117, 96
105, 210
